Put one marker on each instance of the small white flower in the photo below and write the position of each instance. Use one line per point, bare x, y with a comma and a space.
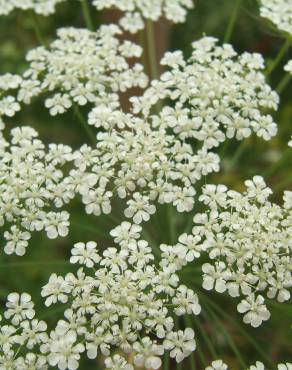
181, 344
19, 307
117, 363
85, 254
255, 310
217, 365
126, 234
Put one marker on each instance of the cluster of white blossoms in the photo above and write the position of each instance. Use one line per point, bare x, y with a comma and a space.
220, 365
79, 67
21, 333
120, 300
279, 12
124, 302
32, 188
44, 7
248, 240
216, 94
140, 163
135, 11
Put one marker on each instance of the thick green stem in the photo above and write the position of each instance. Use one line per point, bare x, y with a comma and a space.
279, 57
232, 21
86, 15
283, 83
166, 361
84, 124
151, 45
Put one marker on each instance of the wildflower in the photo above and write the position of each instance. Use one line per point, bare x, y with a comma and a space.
117, 363
217, 365
85, 254
256, 310
181, 344
19, 307
278, 12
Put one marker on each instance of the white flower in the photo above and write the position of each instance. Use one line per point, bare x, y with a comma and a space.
257, 188
186, 301
57, 224
58, 104
255, 310
147, 354
181, 344
214, 195
258, 366
215, 277
55, 290
117, 363
64, 352
189, 247
126, 234
85, 254
17, 241
139, 208
8, 106
34, 331
217, 365
286, 366
19, 307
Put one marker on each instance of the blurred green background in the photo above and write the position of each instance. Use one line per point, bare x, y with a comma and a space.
220, 331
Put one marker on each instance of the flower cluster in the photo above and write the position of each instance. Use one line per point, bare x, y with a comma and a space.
248, 240
44, 7
120, 300
21, 331
140, 163
279, 12
32, 188
137, 10
220, 365
80, 67
216, 94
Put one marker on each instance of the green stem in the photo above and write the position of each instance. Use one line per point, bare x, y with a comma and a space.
85, 125
283, 83
152, 49
206, 338
226, 316
227, 337
232, 21
279, 57
166, 361
236, 156
37, 29
86, 15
